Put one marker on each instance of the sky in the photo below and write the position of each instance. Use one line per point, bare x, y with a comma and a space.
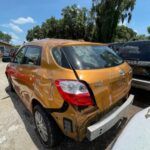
18, 16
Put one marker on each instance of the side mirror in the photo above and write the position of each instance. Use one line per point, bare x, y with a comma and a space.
6, 59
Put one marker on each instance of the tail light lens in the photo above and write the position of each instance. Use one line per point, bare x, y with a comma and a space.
74, 92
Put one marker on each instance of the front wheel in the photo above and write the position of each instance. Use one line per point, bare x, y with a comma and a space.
46, 127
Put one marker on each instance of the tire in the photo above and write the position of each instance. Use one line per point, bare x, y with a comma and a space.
45, 122
10, 84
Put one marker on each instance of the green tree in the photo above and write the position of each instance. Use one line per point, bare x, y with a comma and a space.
52, 28
141, 37
124, 34
29, 35
74, 22
35, 33
108, 13
148, 29
5, 37
90, 29
99, 24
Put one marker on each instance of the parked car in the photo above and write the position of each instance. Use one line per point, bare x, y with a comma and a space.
8, 54
78, 88
1, 50
137, 54
1, 54
116, 46
136, 135
12, 52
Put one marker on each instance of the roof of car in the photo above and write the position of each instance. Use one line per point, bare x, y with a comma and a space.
142, 41
59, 42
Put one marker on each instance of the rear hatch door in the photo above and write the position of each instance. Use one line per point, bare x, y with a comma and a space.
102, 69
108, 85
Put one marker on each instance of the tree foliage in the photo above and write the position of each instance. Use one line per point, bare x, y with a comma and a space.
108, 13
35, 33
148, 29
51, 28
5, 37
76, 23
141, 37
98, 24
124, 34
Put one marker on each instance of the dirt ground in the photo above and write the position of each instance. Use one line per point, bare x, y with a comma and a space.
17, 130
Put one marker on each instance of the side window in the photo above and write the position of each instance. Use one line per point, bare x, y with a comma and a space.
131, 49
2, 49
146, 52
19, 56
60, 58
32, 56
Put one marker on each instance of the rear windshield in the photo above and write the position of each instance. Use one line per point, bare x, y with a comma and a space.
86, 57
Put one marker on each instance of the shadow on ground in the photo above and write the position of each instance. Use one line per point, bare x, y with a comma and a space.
101, 143
142, 97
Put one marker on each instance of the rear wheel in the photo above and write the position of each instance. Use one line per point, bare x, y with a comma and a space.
46, 127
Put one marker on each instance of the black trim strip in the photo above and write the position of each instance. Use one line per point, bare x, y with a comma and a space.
71, 66
91, 92
89, 89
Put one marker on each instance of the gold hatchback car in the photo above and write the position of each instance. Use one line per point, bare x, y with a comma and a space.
80, 89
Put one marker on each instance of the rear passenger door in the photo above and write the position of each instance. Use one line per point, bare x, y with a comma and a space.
28, 69
14, 69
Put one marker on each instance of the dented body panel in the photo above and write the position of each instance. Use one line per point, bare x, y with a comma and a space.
110, 87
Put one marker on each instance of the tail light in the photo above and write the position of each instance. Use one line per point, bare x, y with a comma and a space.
74, 92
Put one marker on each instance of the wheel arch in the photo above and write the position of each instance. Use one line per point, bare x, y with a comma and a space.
36, 102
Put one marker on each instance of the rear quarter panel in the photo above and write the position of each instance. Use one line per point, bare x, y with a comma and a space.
45, 90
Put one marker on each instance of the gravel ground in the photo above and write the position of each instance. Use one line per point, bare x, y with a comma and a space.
17, 131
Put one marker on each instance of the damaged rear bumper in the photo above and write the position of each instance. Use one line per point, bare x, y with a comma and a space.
109, 120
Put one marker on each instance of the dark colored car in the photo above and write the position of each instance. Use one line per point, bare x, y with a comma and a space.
8, 54
1, 51
116, 46
13, 52
137, 54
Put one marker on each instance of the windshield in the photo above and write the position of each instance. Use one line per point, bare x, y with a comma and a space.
89, 57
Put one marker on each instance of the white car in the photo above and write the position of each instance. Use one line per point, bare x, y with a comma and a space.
136, 135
